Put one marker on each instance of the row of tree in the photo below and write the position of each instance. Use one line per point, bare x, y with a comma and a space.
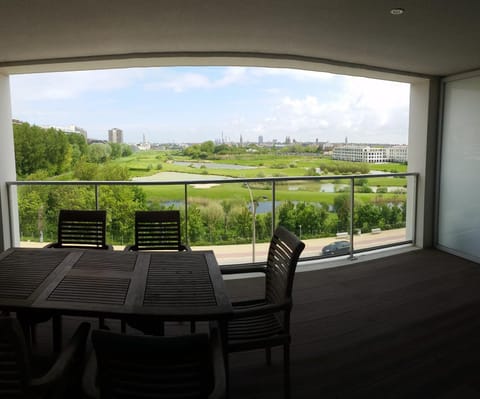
54, 152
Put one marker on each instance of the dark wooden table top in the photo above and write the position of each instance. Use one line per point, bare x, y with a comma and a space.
169, 286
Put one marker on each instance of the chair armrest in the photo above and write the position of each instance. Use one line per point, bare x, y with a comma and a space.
261, 309
129, 248
220, 385
73, 353
243, 269
184, 247
89, 379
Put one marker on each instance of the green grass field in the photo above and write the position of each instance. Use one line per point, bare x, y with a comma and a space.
148, 163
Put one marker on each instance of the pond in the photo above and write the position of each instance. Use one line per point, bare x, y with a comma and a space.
212, 165
332, 188
177, 176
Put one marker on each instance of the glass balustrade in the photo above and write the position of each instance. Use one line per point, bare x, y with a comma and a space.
334, 215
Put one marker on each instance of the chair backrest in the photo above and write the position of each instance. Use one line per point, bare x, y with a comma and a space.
82, 228
153, 366
158, 230
14, 362
284, 251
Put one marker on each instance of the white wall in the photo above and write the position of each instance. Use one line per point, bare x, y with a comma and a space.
7, 161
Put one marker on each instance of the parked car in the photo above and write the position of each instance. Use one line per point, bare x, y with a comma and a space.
336, 248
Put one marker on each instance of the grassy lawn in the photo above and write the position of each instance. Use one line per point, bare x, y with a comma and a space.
148, 163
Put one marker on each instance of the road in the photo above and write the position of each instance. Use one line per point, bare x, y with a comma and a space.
242, 253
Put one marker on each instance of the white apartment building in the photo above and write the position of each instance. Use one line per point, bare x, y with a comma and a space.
355, 153
358, 153
69, 129
398, 153
115, 135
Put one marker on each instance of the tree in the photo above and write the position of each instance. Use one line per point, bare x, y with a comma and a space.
207, 147
86, 171
196, 230
341, 205
99, 152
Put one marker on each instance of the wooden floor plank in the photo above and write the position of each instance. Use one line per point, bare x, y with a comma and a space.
405, 326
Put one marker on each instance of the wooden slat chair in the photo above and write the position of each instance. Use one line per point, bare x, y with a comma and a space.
16, 375
81, 229
264, 323
76, 229
132, 366
157, 231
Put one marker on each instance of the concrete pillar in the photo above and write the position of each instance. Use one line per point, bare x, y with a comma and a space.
7, 168
422, 156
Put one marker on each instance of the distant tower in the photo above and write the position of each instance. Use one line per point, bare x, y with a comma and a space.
115, 135
144, 139
346, 140
260, 139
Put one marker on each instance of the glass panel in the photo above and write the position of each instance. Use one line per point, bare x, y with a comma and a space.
220, 215
318, 212
459, 209
381, 210
38, 207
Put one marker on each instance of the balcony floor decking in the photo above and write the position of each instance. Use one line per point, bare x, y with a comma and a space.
404, 326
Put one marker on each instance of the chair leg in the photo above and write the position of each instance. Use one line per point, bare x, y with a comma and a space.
57, 333
101, 324
33, 333
286, 371
268, 355
192, 327
27, 333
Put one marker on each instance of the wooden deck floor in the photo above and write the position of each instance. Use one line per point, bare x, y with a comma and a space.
406, 326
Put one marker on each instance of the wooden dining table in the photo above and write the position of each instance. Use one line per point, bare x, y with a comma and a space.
173, 286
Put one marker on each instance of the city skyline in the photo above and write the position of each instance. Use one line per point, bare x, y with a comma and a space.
195, 104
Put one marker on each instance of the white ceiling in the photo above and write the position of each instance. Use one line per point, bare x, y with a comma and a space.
433, 37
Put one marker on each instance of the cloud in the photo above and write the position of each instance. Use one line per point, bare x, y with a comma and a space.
182, 82
69, 85
295, 74
274, 102
365, 110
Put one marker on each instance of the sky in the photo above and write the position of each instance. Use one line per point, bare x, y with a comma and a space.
196, 104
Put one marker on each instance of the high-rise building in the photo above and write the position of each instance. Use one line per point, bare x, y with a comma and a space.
115, 135
260, 139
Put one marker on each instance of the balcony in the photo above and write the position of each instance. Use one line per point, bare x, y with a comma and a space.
398, 327
349, 209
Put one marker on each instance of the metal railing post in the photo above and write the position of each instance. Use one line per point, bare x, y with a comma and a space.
273, 206
185, 197
352, 206
96, 196
10, 215
252, 204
